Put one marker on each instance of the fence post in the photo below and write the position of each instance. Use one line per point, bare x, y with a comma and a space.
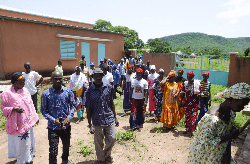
190, 65
195, 66
212, 66
193, 59
198, 61
218, 61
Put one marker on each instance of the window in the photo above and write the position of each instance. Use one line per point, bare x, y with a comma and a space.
67, 49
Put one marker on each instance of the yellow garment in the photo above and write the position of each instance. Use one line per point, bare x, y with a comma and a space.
79, 92
181, 111
169, 115
127, 63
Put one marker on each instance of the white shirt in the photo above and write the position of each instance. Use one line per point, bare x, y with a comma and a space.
153, 76
107, 79
122, 68
77, 81
30, 81
130, 78
138, 88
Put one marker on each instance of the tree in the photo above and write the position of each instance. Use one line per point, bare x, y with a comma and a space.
102, 25
247, 51
131, 38
158, 46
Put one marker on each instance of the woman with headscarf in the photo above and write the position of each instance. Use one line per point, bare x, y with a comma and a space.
17, 106
215, 131
151, 77
205, 96
158, 95
78, 84
180, 81
129, 77
138, 100
169, 107
191, 91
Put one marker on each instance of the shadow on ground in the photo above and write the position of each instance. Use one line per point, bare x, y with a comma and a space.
173, 130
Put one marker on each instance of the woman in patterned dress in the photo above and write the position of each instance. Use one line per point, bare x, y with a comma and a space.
180, 81
158, 94
169, 106
151, 77
212, 143
192, 100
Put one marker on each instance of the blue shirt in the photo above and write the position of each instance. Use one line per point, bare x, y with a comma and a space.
56, 104
116, 77
132, 61
100, 102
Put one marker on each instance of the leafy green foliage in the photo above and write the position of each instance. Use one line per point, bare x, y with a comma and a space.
126, 136
2, 119
102, 25
240, 120
247, 51
131, 38
158, 46
85, 150
206, 44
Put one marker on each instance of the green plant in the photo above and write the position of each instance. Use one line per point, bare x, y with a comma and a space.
158, 130
240, 120
85, 150
181, 123
125, 136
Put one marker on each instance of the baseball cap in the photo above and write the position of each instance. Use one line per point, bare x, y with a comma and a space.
92, 63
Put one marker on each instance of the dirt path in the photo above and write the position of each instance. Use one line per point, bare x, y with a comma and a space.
150, 147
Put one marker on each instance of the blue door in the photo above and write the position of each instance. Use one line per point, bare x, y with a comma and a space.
101, 52
85, 50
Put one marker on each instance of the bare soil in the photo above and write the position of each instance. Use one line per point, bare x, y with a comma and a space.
150, 147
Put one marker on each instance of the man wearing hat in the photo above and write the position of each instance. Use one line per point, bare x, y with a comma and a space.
101, 63
85, 69
131, 60
116, 78
92, 67
101, 110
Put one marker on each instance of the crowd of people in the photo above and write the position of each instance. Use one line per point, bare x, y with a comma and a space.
167, 99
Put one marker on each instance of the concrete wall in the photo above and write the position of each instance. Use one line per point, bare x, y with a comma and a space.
165, 61
44, 19
239, 70
38, 44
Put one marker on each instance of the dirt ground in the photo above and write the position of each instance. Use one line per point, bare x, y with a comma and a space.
150, 147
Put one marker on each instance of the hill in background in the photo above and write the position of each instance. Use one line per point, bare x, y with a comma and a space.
198, 41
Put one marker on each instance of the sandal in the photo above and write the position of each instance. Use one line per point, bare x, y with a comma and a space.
124, 114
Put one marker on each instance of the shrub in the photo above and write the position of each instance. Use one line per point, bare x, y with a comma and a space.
125, 136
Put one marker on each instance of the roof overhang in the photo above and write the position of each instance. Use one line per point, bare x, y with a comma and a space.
82, 38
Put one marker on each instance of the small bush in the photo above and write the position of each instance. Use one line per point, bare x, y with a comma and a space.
125, 136
85, 150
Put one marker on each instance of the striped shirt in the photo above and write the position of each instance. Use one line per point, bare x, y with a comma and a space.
205, 86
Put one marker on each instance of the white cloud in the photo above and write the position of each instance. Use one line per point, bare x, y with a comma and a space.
235, 9
233, 21
234, 30
146, 18
234, 2
161, 22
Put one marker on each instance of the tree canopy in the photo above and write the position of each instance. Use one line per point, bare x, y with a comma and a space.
158, 46
247, 52
131, 38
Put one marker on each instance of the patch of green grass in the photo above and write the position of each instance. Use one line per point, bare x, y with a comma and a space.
240, 120
181, 123
2, 119
85, 150
126, 136
158, 131
216, 89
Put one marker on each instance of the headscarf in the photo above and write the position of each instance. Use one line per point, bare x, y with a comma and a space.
130, 66
152, 67
114, 66
78, 67
190, 74
237, 91
16, 76
171, 73
140, 70
180, 71
161, 70
205, 73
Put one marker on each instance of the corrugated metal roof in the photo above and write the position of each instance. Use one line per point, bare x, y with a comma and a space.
2, 17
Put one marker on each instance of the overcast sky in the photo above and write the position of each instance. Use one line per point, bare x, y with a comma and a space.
150, 18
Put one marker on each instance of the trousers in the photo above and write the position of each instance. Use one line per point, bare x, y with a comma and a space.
110, 137
53, 136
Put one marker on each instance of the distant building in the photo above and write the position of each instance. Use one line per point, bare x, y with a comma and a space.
44, 40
